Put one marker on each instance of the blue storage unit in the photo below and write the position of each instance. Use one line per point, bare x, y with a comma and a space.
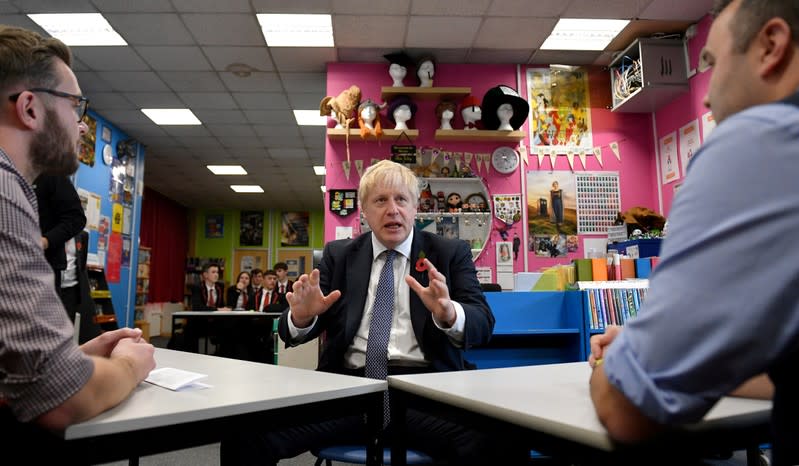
646, 247
531, 328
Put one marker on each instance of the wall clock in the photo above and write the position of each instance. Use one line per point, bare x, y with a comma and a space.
505, 160
108, 154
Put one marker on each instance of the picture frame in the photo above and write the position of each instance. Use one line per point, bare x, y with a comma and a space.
106, 134
504, 252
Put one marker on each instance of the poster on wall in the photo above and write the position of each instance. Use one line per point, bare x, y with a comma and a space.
668, 158
88, 141
551, 204
689, 143
294, 229
598, 201
559, 109
125, 262
214, 225
251, 230
708, 125
114, 258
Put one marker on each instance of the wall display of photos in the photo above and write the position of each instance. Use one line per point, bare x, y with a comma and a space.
598, 201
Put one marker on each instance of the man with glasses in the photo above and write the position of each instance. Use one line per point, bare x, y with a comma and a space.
47, 382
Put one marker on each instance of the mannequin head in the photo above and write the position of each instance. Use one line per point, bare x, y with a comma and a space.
368, 113
401, 116
505, 113
471, 112
445, 111
397, 73
425, 71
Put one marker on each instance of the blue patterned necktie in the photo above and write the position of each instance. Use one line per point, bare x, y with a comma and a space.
380, 328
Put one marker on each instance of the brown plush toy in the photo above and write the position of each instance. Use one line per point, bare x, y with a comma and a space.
343, 105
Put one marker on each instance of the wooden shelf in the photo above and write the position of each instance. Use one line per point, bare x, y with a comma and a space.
478, 135
355, 134
101, 294
425, 93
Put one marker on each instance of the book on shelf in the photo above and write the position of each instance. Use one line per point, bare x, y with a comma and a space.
612, 302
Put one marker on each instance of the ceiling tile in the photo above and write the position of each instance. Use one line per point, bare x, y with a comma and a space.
442, 55
174, 58
687, 11
123, 117
90, 83
262, 100
499, 56
224, 29
202, 145
282, 140
363, 55
184, 133
513, 33
268, 131
209, 100
304, 82
56, 6
154, 99
385, 7
270, 117
372, 31
22, 21
77, 65
255, 57
110, 58
193, 81
151, 29
312, 59
426, 30
256, 82
162, 143
515, 8
447, 7
231, 130
127, 6
250, 153
294, 6
316, 132
284, 155
234, 142
611, 9
305, 101
7, 8
134, 81
231, 117
564, 57
145, 131
212, 6
109, 101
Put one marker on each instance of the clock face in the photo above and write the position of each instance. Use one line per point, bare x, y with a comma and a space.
505, 160
108, 154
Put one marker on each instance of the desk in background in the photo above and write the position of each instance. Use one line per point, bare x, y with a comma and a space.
551, 404
245, 396
216, 323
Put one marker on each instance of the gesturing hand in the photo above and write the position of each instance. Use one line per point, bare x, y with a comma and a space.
307, 301
435, 296
599, 344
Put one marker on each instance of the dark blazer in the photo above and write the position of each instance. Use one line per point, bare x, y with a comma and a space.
199, 297
277, 303
346, 266
233, 297
88, 327
61, 216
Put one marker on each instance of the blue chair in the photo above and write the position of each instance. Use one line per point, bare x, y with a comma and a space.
357, 454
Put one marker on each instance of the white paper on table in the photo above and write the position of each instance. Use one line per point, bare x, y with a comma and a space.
176, 379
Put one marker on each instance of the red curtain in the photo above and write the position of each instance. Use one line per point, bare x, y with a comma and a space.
164, 228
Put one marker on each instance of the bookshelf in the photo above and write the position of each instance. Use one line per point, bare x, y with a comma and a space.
143, 277
610, 303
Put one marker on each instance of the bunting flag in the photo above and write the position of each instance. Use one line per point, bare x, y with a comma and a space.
598, 155
553, 158
467, 159
434, 156
581, 154
418, 157
570, 158
614, 146
523, 153
359, 167
478, 161
346, 167
540, 154
458, 160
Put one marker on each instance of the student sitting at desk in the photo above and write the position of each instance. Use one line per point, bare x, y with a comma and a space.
209, 295
720, 311
396, 300
239, 296
268, 298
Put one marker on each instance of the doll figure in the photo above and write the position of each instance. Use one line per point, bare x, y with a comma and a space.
454, 202
425, 71
445, 111
470, 111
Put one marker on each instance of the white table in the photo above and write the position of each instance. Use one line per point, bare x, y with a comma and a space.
553, 404
244, 396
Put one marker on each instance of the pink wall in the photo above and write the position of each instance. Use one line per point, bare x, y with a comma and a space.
687, 107
632, 131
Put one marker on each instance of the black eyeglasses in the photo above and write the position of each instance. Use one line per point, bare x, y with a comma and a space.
81, 102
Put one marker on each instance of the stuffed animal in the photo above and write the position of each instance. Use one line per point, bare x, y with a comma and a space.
643, 219
343, 105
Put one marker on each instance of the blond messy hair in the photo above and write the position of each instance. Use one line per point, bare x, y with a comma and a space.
389, 174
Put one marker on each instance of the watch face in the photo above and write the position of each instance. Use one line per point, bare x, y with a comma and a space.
505, 160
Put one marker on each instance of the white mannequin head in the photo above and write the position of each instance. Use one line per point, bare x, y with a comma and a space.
426, 72
368, 115
397, 73
401, 116
446, 119
505, 113
471, 114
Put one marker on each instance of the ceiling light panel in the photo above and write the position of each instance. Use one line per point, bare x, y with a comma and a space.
79, 29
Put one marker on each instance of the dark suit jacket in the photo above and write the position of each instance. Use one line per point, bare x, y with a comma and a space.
199, 297
88, 327
278, 303
233, 297
346, 265
61, 216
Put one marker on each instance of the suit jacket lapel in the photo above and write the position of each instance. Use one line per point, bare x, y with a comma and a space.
419, 312
358, 271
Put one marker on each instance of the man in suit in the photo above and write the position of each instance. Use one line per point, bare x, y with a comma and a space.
61, 217
436, 310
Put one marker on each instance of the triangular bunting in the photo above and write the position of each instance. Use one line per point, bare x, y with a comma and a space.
570, 158
346, 167
523, 153
359, 167
581, 154
553, 158
540, 153
614, 146
598, 155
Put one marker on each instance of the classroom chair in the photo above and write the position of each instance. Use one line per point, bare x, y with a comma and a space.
356, 454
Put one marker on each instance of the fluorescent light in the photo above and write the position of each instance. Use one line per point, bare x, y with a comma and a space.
309, 118
319, 169
227, 169
246, 188
171, 116
286, 30
583, 34
323, 188
79, 28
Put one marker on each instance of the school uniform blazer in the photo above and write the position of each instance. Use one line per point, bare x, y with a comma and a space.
233, 298
277, 303
199, 297
346, 266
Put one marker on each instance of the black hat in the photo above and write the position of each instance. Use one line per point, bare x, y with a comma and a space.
396, 102
400, 58
497, 96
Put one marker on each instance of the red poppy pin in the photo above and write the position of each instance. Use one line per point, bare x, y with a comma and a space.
421, 266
